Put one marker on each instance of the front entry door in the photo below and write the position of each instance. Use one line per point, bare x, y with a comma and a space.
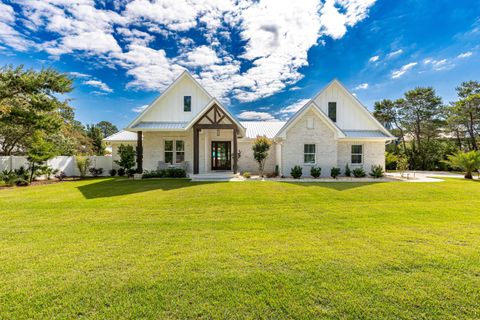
221, 155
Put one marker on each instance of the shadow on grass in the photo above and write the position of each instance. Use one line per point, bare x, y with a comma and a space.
338, 186
117, 186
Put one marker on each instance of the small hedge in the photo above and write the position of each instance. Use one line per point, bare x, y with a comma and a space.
335, 172
315, 172
359, 172
377, 171
165, 173
296, 172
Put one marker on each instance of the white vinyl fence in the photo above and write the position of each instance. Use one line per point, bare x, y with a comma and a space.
62, 163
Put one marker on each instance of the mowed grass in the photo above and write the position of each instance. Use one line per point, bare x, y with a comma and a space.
165, 249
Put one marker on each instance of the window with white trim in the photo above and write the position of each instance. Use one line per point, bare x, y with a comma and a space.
357, 154
174, 151
179, 151
309, 154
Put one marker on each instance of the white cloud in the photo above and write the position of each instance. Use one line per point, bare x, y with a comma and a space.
277, 37
405, 68
374, 59
465, 55
336, 16
294, 107
361, 86
255, 115
79, 75
7, 15
12, 38
201, 56
99, 84
95, 42
394, 53
140, 109
438, 65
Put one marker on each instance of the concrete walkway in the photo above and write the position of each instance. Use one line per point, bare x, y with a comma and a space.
425, 176
409, 176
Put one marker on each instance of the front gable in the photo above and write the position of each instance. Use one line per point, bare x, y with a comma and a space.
169, 106
308, 113
351, 114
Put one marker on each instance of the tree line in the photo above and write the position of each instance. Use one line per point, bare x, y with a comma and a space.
34, 119
429, 130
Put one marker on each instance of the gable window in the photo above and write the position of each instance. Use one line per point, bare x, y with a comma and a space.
357, 154
332, 111
187, 103
309, 154
174, 151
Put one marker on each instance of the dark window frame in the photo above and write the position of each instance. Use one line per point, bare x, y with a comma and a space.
332, 111
187, 103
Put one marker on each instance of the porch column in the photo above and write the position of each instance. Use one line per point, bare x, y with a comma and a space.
196, 150
139, 152
235, 153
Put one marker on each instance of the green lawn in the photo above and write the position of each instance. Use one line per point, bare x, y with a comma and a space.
112, 248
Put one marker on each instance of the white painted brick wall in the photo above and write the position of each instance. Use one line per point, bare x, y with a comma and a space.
298, 135
373, 154
248, 163
154, 147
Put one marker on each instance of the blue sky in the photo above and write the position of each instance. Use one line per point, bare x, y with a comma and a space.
262, 59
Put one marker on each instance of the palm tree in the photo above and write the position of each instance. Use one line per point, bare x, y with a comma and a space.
467, 161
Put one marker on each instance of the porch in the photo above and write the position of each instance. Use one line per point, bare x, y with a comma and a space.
208, 144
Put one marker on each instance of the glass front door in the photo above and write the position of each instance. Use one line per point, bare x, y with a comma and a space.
221, 155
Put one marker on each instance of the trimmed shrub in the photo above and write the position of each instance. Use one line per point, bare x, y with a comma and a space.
277, 171
130, 172
153, 174
247, 175
348, 172
96, 172
82, 164
61, 175
335, 172
296, 172
112, 172
315, 172
377, 171
165, 173
18, 177
359, 172
121, 172
176, 173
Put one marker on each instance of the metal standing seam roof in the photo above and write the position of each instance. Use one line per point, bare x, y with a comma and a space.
262, 128
160, 125
254, 129
364, 134
122, 136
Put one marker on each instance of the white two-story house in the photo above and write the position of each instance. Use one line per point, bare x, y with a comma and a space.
188, 127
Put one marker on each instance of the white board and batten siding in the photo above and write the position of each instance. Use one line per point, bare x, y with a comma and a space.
170, 106
350, 116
